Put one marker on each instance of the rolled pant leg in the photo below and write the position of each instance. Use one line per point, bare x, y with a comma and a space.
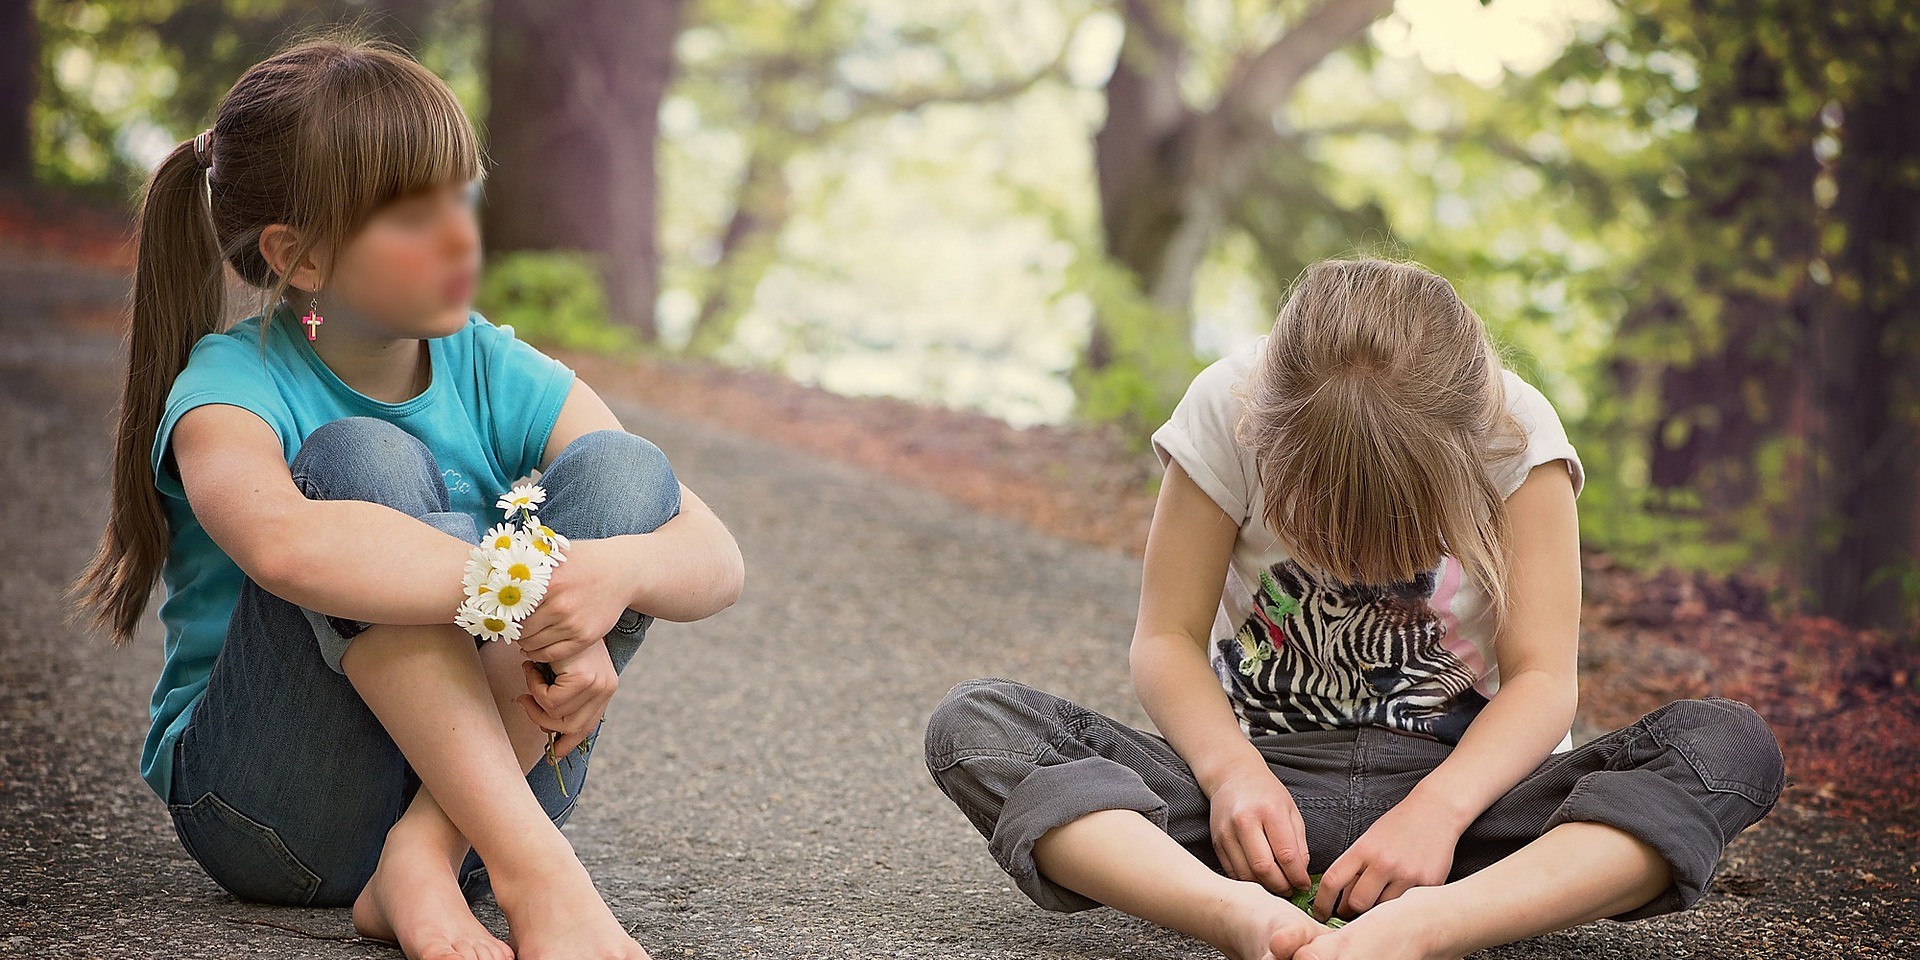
1685, 779
1019, 762
605, 483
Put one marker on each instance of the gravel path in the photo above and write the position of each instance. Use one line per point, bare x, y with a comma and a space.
759, 791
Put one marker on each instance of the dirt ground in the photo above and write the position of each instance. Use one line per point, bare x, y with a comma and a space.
760, 790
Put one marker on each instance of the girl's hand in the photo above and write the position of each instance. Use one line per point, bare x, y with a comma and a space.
1258, 833
584, 599
574, 702
1407, 847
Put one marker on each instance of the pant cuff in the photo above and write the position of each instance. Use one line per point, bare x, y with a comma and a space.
1660, 813
1058, 794
334, 633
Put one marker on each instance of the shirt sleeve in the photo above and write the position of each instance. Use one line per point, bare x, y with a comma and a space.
1199, 434
219, 369
1546, 438
525, 390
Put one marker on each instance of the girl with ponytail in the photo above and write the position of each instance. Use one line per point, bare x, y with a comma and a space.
308, 483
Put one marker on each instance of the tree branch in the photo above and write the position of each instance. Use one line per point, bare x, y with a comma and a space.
1269, 78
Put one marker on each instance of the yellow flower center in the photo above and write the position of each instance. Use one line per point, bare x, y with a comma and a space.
494, 624
510, 595
543, 547
519, 571
503, 541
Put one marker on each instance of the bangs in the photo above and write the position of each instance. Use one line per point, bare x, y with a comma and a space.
392, 129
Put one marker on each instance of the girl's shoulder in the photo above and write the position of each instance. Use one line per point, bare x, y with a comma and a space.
1544, 438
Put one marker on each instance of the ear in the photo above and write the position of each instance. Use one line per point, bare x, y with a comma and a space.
277, 243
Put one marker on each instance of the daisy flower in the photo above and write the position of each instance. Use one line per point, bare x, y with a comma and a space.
501, 536
523, 563
478, 571
508, 598
480, 623
544, 539
523, 496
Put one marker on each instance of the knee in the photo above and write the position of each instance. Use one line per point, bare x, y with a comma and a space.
366, 458
1746, 753
978, 717
622, 481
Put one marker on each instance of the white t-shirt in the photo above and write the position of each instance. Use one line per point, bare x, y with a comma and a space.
1416, 657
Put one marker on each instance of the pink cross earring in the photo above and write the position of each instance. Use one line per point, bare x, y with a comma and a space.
313, 319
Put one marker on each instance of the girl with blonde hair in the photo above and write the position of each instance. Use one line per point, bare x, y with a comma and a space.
1357, 636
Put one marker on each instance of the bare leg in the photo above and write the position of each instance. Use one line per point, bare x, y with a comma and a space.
468, 765
414, 897
1576, 872
1121, 859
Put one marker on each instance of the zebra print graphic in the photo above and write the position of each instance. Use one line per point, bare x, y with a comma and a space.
1315, 654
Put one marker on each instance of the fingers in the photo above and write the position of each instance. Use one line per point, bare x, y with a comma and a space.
1332, 884
540, 717
1290, 857
568, 741
1304, 879
1261, 860
1228, 847
565, 696
1365, 891
550, 645
1395, 889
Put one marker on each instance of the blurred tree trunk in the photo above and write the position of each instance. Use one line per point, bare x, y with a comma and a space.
1782, 322
1170, 175
19, 62
1743, 382
1867, 361
574, 91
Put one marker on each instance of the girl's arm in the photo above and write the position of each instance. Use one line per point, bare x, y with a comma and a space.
1255, 826
687, 569
1188, 545
334, 556
1538, 653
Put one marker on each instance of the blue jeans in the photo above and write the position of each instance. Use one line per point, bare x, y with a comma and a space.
284, 782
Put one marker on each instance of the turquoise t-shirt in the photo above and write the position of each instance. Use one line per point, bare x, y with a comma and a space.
486, 416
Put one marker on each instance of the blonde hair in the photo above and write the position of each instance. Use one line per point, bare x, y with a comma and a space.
1373, 409
317, 137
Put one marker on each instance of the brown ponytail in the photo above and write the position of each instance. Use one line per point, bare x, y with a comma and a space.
316, 137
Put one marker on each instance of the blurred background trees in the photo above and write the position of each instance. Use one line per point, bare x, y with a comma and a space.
1694, 224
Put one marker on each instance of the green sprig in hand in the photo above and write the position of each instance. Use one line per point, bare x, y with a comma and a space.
1304, 900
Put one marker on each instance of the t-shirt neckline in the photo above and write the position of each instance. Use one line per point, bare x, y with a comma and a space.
300, 345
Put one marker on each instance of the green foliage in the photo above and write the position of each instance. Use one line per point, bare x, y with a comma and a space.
554, 297
119, 81
1304, 900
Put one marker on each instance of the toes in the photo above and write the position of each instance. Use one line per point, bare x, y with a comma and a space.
1286, 943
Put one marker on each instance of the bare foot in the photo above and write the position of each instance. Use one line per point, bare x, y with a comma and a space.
1404, 928
558, 915
414, 900
1256, 925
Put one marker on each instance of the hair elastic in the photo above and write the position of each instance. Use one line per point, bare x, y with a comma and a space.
203, 148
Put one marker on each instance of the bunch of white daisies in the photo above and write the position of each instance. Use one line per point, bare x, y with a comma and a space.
507, 575
508, 572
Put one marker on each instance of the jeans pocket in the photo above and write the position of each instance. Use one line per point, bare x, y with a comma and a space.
246, 857
1726, 756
